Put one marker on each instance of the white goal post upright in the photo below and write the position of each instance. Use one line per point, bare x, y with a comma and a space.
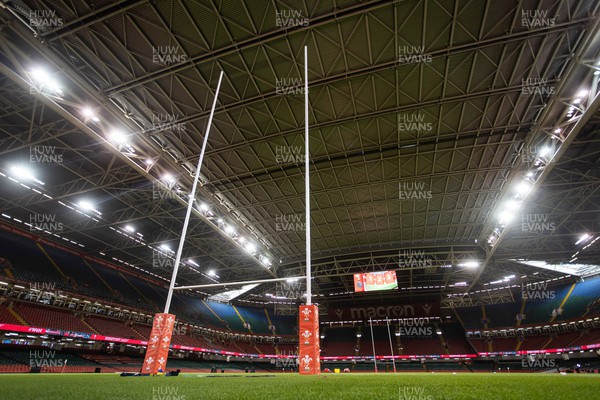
307, 182
308, 314
387, 320
191, 201
157, 350
373, 344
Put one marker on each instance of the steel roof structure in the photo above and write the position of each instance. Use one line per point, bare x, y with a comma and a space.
424, 117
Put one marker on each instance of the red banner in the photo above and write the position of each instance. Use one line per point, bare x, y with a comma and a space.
157, 351
309, 346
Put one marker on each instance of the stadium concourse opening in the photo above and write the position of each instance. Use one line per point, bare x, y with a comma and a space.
353, 199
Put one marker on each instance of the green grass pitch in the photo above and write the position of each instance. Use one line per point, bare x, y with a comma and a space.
401, 386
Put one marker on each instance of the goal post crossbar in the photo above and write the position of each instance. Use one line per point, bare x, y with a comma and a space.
239, 283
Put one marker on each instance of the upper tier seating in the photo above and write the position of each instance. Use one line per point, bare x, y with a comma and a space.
228, 314
256, 318
582, 301
81, 275
24, 254
30, 264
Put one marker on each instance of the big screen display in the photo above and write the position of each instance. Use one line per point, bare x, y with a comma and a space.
372, 281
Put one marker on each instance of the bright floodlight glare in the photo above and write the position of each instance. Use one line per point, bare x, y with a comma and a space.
544, 151
90, 114
40, 74
22, 172
583, 238
242, 239
469, 264
148, 162
250, 247
229, 229
523, 187
582, 93
558, 130
529, 174
512, 205
194, 263
211, 272
129, 228
86, 205
165, 247
505, 216
54, 86
118, 137
169, 178
265, 261
203, 207
45, 80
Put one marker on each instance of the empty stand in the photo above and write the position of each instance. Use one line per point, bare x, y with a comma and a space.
339, 342
112, 327
25, 255
382, 342
47, 317
256, 318
6, 317
455, 338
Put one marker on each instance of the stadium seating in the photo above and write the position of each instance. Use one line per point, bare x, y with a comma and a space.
421, 346
534, 342
381, 342
454, 336
6, 317
111, 327
142, 330
339, 342
119, 284
504, 344
284, 324
48, 265
24, 254
256, 318
48, 317
81, 275
563, 340
227, 313
584, 295
192, 341
480, 345
587, 338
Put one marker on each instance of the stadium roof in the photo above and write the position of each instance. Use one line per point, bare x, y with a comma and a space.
432, 125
